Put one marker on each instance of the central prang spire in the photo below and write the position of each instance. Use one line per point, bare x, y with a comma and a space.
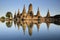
30, 7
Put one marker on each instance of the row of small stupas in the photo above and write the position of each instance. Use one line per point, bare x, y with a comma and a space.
30, 13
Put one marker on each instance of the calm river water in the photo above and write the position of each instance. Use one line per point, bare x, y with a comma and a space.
23, 31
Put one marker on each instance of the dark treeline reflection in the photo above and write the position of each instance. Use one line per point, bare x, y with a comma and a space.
29, 24
8, 24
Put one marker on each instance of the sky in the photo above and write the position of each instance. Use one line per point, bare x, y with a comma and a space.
44, 5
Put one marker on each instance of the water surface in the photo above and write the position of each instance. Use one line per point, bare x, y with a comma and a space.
16, 31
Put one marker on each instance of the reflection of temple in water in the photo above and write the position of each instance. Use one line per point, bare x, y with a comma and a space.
27, 24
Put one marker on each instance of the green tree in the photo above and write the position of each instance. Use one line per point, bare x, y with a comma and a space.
8, 14
2, 19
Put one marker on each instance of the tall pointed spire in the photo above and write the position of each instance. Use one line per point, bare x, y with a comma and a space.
18, 14
30, 11
38, 12
15, 15
48, 14
18, 11
30, 7
24, 10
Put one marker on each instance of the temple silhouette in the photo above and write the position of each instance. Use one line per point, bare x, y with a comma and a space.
27, 16
27, 19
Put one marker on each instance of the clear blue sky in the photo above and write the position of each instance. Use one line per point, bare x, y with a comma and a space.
44, 5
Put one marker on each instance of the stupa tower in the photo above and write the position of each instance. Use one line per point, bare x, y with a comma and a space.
15, 15
30, 7
24, 11
30, 11
48, 14
38, 12
18, 14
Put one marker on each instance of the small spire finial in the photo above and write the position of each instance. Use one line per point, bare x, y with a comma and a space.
48, 10
38, 8
15, 12
24, 7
